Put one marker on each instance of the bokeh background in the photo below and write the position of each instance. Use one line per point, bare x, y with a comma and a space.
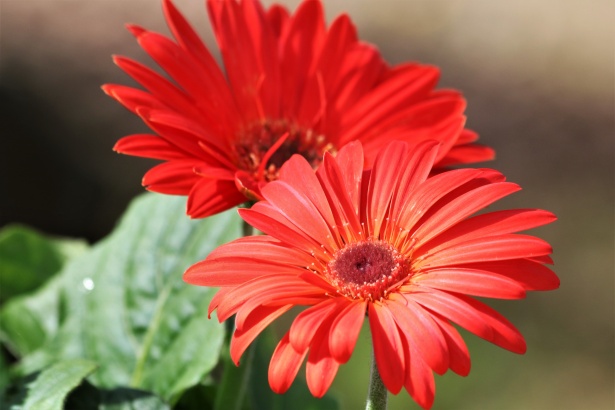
538, 77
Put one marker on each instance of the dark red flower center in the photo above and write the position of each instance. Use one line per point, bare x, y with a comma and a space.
367, 270
262, 148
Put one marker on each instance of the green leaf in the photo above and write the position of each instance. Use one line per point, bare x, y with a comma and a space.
4, 373
28, 322
52, 386
200, 396
128, 309
28, 259
89, 397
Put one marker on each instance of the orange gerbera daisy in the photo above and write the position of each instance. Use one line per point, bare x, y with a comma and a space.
292, 86
388, 243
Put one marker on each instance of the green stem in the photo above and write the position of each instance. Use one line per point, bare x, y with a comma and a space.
377, 394
235, 379
248, 230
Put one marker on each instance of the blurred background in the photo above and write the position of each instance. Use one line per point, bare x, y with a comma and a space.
538, 77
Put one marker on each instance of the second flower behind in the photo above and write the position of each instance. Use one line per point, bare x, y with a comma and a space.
292, 86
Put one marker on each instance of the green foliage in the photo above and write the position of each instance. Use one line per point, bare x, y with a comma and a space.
89, 397
28, 259
4, 373
28, 322
122, 308
52, 385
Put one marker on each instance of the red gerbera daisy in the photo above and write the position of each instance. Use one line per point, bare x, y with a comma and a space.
388, 243
292, 86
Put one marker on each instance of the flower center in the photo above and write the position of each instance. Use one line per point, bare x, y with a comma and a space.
263, 147
367, 270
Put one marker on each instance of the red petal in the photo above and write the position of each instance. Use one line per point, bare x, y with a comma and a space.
492, 248
346, 218
389, 188
262, 218
462, 207
345, 331
264, 250
245, 43
432, 197
453, 308
382, 183
421, 331
417, 167
211, 172
160, 87
471, 282
173, 178
388, 348
211, 196
131, 98
300, 41
259, 319
466, 154
406, 85
419, 380
262, 289
300, 211
148, 146
505, 334
183, 131
357, 75
278, 18
298, 173
493, 223
266, 48
474, 316
182, 67
324, 75
351, 163
418, 202
248, 185
321, 368
466, 136
284, 366
531, 275
191, 43
458, 355
231, 271
438, 118
306, 324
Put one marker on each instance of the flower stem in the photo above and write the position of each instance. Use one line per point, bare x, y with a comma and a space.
235, 380
234, 385
248, 230
377, 394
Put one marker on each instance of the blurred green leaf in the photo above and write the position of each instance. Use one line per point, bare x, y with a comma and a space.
53, 384
28, 322
4, 373
89, 397
128, 309
28, 259
201, 396
14, 395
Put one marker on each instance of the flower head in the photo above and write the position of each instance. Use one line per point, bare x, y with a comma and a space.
292, 86
386, 242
